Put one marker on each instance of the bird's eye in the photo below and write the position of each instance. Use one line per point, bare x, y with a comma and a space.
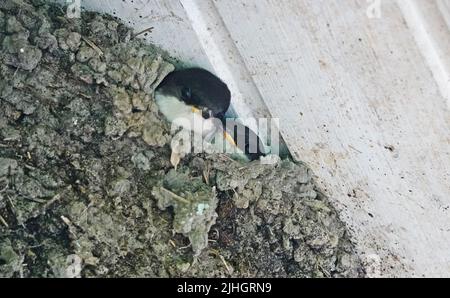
206, 113
186, 93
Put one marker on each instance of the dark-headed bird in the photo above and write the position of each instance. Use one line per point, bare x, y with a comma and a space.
197, 100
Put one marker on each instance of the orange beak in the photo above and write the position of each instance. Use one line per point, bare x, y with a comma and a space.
195, 110
228, 137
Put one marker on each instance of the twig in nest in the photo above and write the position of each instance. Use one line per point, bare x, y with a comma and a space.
222, 259
206, 172
184, 247
3, 221
48, 203
142, 32
36, 200
13, 208
226, 156
69, 225
29, 167
92, 45
175, 196
229, 269
85, 96
56, 198
66, 220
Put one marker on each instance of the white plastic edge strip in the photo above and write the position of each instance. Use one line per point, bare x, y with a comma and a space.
429, 22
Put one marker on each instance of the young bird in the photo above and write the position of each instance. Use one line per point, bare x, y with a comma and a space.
191, 98
197, 100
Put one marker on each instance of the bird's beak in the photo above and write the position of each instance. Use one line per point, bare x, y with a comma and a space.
195, 110
229, 138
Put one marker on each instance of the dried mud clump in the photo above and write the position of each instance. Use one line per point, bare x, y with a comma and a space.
86, 183
194, 206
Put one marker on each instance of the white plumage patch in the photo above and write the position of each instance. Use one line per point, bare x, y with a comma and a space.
181, 114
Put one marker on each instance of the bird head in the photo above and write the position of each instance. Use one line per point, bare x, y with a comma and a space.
200, 89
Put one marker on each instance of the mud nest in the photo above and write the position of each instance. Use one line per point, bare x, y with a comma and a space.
86, 185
